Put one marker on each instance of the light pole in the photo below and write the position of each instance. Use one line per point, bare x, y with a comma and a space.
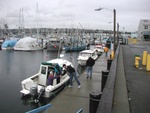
114, 13
117, 34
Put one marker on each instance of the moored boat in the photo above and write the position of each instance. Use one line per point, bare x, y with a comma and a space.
99, 49
28, 44
84, 55
9, 44
53, 44
75, 48
39, 80
76, 44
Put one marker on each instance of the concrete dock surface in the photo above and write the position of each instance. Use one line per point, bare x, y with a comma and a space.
137, 80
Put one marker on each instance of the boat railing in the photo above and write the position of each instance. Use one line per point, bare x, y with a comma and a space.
40, 109
35, 77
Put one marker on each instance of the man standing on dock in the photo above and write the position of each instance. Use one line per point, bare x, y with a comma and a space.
72, 73
89, 67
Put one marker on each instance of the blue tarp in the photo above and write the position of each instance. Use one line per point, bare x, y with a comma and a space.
9, 43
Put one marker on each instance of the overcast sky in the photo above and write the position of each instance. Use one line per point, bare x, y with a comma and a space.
75, 13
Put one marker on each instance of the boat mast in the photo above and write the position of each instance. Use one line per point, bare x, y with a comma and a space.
37, 20
21, 31
82, 34
2, 27
19, 22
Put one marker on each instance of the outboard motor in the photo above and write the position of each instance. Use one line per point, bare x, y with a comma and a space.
41, 93
34, 91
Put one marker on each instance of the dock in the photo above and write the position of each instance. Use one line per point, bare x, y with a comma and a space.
126, 89
71, 100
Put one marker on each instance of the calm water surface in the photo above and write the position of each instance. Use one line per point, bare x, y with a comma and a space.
15, 66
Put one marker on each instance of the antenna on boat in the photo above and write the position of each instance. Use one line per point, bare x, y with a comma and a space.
58, 55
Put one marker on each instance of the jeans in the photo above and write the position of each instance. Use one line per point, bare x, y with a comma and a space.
106, 54
75, 77
89, 71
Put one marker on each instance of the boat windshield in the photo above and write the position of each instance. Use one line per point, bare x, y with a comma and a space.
43, 70
98, 47
85, 54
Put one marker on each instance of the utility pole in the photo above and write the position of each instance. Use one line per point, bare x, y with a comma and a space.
114, 30
117, 34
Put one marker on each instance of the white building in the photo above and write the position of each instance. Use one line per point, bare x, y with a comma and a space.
144, 29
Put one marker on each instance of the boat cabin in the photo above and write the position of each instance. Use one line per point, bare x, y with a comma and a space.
45, 70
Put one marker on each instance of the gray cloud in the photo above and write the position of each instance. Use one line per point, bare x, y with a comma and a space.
64, 13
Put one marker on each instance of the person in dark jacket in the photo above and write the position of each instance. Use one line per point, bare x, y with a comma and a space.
72, 73
89, 67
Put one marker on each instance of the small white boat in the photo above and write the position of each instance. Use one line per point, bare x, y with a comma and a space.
97, 41
84, 55
99, 49
38, 81
28, 44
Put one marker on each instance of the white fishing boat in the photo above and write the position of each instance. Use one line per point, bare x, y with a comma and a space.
28, 44
34, 84
84, 55
99, 49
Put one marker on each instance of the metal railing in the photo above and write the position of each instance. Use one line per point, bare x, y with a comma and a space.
80, 111
106, 102
40, 109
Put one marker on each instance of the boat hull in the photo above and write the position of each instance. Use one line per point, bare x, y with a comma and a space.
7, 48
27, 48
53, 48
52, 91
79, 48
82, 62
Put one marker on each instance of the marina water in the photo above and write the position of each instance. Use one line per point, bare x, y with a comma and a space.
15, 66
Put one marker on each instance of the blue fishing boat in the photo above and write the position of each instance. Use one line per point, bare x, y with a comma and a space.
75, 45
75, 48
